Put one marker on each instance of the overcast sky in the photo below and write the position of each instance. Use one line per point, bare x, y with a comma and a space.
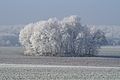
99, 12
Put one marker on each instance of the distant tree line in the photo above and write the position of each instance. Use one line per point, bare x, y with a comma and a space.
9, 35
9, 40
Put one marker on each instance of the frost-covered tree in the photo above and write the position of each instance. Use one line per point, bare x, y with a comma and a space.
46, 37
99, 36
62, 38
74, 32
24, 37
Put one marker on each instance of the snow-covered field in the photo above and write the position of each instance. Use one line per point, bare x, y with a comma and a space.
14, 55
15, 66
110, 51
52, 72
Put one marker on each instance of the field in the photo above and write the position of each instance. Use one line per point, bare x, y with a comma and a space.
110, 51
41, 72
15, 66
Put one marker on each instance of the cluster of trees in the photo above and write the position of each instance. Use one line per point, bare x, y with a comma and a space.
112, 34
55, 37
9, 34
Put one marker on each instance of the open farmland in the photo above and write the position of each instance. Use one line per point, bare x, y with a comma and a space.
14, 55
110, 51
41, 72
15, 66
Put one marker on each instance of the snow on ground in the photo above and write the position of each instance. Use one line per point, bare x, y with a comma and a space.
48, 72
54, 66
15, 66
14, 55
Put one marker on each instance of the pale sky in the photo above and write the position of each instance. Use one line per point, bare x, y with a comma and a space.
98, 12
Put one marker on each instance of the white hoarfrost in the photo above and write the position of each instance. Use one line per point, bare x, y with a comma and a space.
59, 38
